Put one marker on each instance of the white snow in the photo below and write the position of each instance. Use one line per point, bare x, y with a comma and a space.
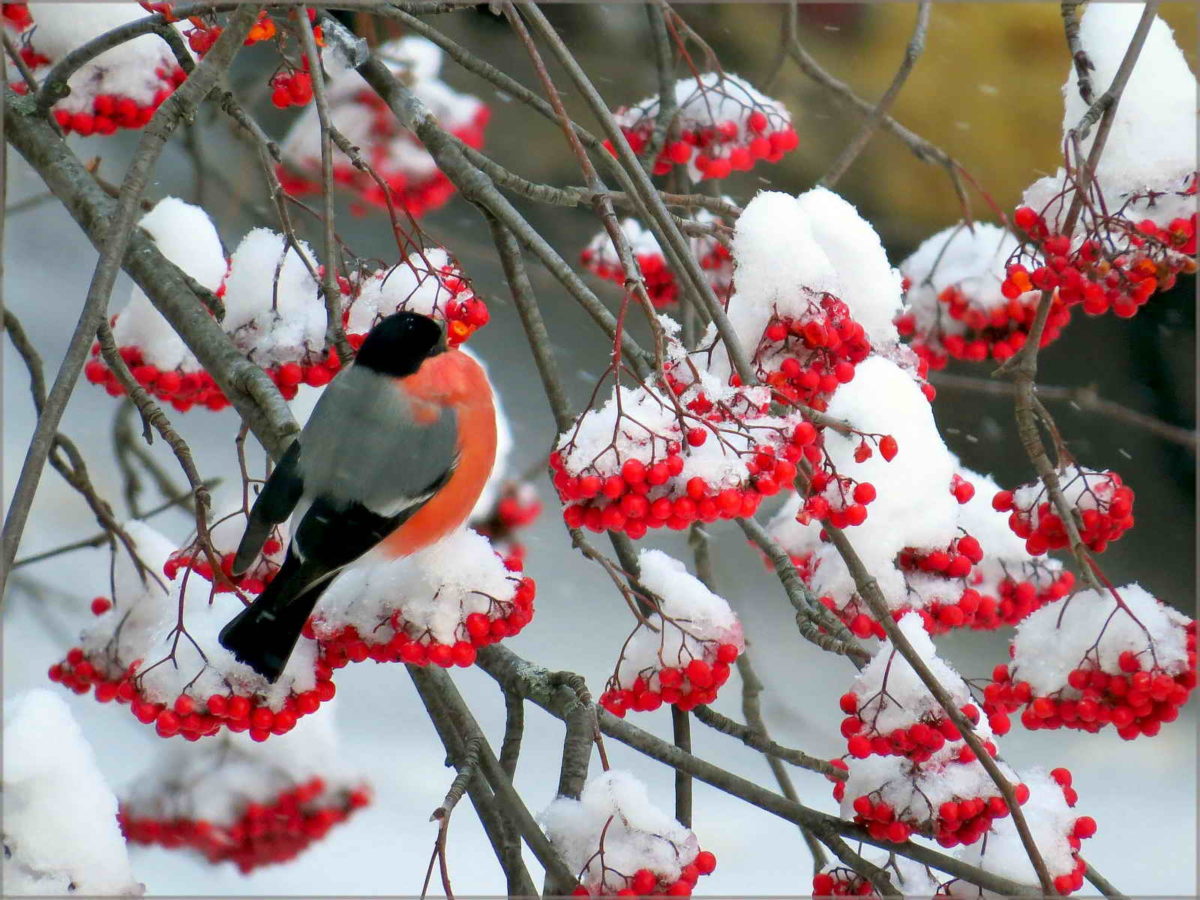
60, 817
638, 835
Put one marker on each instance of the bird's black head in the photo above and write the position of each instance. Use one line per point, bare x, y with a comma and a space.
400, 343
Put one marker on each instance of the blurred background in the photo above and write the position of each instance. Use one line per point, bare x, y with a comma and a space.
988, 91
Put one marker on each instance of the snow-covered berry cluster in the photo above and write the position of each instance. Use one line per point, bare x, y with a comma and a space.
725, 126
435, 607
909, 768
618, 843
1102, 501
119, 88
1055, 827
1116, 657
272, 309
231, 799
958, 304
224, 533
159, 655
411, 180
682, 653
911, 878
600, 257
642, 461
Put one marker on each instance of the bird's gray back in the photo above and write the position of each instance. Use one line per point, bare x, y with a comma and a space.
362, 443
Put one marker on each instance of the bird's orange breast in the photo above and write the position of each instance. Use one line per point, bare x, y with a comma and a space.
451, 379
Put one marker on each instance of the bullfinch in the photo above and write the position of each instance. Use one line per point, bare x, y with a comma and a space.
392, 459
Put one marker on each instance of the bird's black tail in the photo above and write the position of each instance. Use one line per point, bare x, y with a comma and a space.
264, 634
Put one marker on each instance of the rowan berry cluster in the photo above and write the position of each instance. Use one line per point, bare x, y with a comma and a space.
395, 640
685, 686
1104, 504
1118, 265
252, 581
188, 715
111, 111
645, 883
264, 833
291, 89
725, 126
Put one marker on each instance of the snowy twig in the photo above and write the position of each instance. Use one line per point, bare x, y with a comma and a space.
335, 335
1086, 399
868, 588
755, 740
816, 623
921, 148
916, 46
1083, 65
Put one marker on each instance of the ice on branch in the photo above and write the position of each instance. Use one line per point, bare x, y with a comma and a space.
153, 646
232, 799
1136, 228
60, 829
955, 302
411, 179
437, 606
725, 126
600, 257
613, 838
686, 656
1055, 827
119, 88
1116, 656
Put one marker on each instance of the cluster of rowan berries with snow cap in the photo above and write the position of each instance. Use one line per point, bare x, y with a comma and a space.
642, 462
154, 352
152, 650
601, 258
682, 653
1055, 827
1116, 656
119, 88
227, 524
232, 799
411, 179
909, 768
725, 126
911, 878
516, 507
1136, 228
618, 843
1103, 504
435, 607
429, 282
60, 816
958, 303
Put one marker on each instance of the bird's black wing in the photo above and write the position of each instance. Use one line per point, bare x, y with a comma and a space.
274, 504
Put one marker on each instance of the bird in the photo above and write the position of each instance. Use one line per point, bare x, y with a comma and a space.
393, 458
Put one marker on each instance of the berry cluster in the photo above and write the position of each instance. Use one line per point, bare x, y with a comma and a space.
16, 15
805, 358
263, 833
646, 478
112, 111
291, 89
516, 508
396, 640
957, 821
725, 126
252, 581
403, 174
660, 280
646, 883
841, 882
1104, 504
181, 389
189, 716
685, 686
1094, 659
1118, 266
917, 742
